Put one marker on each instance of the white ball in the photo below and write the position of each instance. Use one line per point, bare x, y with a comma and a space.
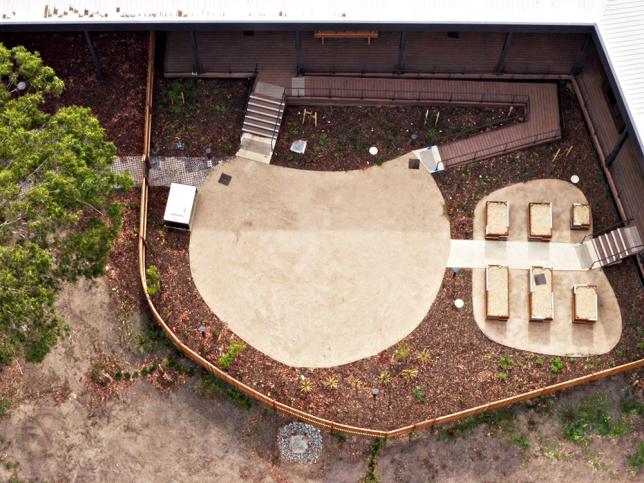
373, 150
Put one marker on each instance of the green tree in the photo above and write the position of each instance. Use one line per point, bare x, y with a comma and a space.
57, 214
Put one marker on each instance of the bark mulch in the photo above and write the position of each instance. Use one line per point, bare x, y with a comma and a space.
446, 364
343, 136
118, 100
200, 114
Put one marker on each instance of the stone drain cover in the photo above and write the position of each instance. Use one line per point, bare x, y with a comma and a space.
299, 443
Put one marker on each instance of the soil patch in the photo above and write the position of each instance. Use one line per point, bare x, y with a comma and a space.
343, 135
118, 100
197, 114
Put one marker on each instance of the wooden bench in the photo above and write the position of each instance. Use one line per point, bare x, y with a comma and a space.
341, 34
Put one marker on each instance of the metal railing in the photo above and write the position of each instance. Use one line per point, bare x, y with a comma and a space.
278, 121
418, 95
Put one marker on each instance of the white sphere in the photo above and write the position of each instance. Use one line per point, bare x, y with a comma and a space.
459, 304
373, 150
574, 179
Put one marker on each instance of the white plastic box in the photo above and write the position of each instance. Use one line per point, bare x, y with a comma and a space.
180, 208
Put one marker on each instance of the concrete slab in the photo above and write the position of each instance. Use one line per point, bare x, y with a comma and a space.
319, 269
559, 336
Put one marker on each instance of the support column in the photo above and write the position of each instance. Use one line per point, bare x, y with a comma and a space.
97, 61
400, 67
581, 61
196, 65
298, 52
500, 65
610, 159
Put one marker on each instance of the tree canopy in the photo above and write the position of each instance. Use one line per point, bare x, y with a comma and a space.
58, 216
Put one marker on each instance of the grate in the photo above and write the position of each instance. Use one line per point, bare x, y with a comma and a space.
225, 179
540, 279
414, 163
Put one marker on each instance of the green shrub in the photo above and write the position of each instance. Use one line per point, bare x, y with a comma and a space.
402, 352
505, 362
227, 359
556, 365
152, 280
419, 394
503, 376
636, 460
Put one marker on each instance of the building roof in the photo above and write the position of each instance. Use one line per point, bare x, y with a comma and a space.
619, 23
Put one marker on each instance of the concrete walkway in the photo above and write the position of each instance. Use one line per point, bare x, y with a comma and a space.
517, 254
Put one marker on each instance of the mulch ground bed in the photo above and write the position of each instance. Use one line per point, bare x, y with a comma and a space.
343, 135
446, 364
118, 100
198, 114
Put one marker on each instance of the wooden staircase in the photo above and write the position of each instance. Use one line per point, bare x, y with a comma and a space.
613, 246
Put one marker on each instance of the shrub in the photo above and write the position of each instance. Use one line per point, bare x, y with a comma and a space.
331, 382
384, 377
409, 373
419, 394
503, 376
152, 280
227, 359
306, 386
505, 362
556, 365
402, 352
425, 355
636, 460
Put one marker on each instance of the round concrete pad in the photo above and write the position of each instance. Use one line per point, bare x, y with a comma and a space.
318, 269
558, 336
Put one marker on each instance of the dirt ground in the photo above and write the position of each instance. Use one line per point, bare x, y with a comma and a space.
56, 431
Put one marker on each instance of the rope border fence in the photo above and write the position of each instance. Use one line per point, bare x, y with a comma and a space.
276, 405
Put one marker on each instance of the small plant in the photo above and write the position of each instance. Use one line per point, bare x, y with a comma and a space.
384, 378
556, 365
379, 162
371, 476
5, 404
323, 137
227, 359
520, 440
430, 134
505, 362
636, 460
503, 376
152, 280
419, 394
424, 355
331, 382
306, 387
340, 437
591, 415
402, 352
539, 361
409, 373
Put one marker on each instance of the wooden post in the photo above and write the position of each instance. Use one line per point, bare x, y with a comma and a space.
298, 52
500, 66
196, 65
402, 45
581, 61
95, 57
617, 148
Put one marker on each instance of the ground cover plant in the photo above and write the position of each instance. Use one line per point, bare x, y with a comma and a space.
192, 115
446, 357
57, 216
118, 99
343, 135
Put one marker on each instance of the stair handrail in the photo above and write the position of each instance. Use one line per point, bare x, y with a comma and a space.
619, 254
603, 231
278, 120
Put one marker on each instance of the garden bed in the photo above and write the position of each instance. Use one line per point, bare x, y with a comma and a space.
118, 101
199, 114
446, 364
343, 135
